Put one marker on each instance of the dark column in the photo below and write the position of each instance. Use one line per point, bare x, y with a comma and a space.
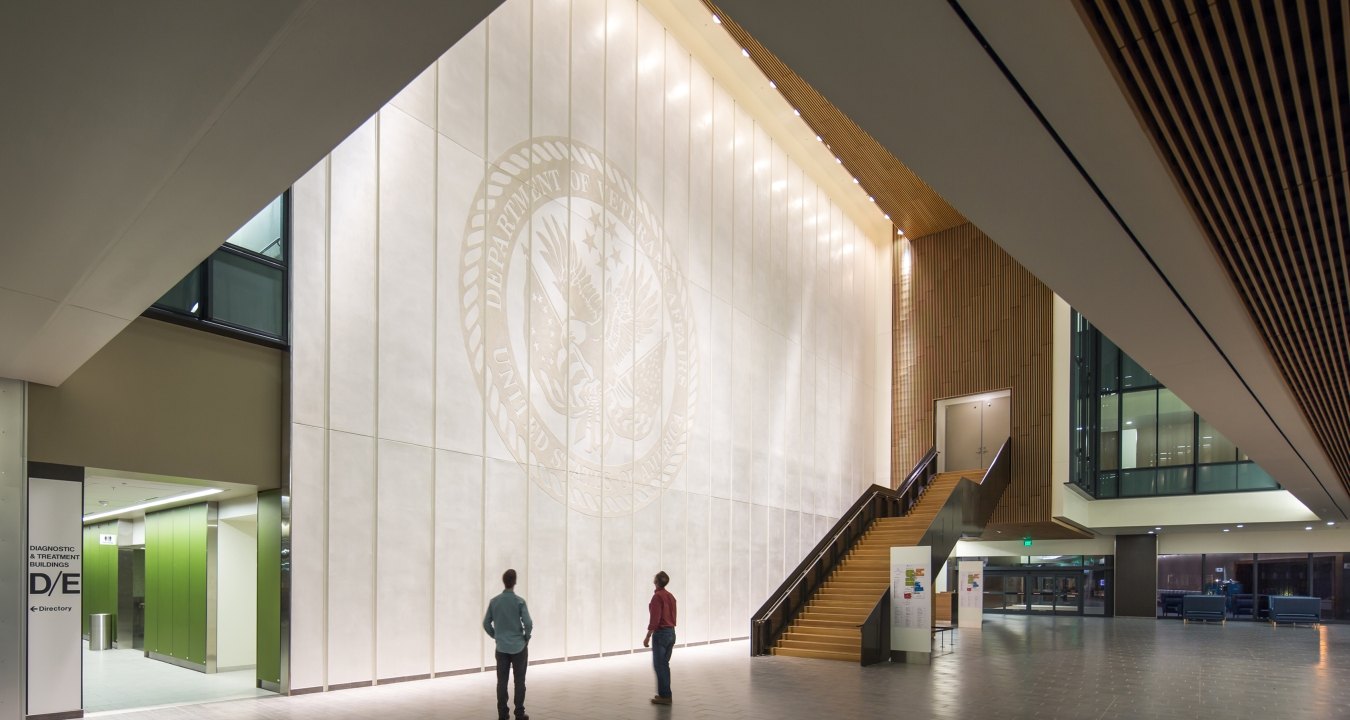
1136, 575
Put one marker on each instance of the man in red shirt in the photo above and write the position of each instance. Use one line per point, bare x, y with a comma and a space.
661, 636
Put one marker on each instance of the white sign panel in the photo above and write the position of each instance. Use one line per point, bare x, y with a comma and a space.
54, 565
107, 539
971, 587
911, 599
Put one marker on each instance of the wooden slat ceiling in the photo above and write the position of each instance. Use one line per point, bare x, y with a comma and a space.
1248, 102
913, 206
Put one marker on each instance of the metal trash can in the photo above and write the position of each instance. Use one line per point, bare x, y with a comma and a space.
101, 629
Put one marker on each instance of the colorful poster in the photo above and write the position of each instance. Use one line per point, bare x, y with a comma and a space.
911, 599
971, 588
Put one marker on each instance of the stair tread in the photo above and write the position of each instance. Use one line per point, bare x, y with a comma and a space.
826, 627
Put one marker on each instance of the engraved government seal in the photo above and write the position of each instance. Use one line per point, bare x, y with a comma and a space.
576, 321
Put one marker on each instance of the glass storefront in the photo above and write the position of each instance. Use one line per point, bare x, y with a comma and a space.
1248, 580
1135, 438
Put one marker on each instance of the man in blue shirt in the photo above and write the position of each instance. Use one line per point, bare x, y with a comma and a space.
508, 622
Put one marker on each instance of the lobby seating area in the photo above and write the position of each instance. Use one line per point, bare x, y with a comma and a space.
1276, 609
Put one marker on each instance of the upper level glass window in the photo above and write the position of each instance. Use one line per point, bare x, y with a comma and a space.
1134, 438
241, 289
263, 234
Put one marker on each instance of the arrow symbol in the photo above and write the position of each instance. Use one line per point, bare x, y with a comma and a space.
34, 608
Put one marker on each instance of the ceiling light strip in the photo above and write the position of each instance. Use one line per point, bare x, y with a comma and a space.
153, 503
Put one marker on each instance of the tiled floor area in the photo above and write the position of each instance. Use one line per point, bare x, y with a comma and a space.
120, 679
1015, 667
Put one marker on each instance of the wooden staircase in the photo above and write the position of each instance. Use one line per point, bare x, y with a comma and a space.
827, 627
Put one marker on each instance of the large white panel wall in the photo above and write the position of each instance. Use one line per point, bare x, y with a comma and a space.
565, 305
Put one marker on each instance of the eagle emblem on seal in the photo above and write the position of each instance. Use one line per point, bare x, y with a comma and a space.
576, 320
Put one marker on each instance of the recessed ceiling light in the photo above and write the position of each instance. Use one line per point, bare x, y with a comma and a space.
820, 139
1225, 529
871, 199
887, 216
773, 85
1157, 528
855, 181
717, 20
1150, 532
796, 112
841, 162
1308, 528
1330, 523
745, 52
1241, 525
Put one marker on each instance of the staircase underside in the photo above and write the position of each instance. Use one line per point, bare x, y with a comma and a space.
828, 625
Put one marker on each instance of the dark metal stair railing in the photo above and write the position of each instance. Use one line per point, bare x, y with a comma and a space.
965, 513
772, 619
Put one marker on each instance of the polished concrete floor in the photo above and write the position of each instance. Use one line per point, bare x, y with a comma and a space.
122, 679
1015, 667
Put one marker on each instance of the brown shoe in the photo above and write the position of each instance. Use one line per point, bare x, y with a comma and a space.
658, 700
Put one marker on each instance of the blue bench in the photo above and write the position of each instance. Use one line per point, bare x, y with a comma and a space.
1204, 608
1295, 610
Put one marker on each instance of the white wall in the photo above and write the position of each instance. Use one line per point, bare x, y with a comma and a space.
237, 587
491, 372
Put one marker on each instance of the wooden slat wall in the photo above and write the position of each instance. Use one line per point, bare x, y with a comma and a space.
1249, 104
969, 319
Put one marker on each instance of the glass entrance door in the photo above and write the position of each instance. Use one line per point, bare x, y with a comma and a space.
1058, 593
1053, 592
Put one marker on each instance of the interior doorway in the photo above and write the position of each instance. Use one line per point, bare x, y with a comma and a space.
171, 564
971, 428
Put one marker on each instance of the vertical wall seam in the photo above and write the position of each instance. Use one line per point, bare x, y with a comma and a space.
604, 307
482, 475
567, 425
327, 405
375, 476
530, 467
435, 344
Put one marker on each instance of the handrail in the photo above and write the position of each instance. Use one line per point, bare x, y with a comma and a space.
769, 622
874, 635
966, 511
969, 507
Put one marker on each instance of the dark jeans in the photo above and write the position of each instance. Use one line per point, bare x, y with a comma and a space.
663, 644
507, 664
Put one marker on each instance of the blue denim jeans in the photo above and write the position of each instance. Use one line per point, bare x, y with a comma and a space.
663, 644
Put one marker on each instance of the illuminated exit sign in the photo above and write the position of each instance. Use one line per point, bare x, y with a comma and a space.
1026, 542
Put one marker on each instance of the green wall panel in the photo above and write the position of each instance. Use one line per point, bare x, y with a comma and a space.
98, 581
269, 586
181, 599
175, 582
197, 531
151, 583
